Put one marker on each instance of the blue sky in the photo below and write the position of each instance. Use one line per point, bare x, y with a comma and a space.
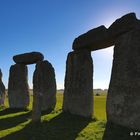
50, 26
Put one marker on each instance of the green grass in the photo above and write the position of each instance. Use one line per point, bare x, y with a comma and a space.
54, 126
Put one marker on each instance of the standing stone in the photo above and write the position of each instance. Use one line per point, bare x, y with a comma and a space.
78, 93
123, 101
44, 88
2, 90
18, 90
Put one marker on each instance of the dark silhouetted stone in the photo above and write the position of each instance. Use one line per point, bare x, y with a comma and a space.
2, 90
78, 93
28, 58
18, 92
123, 101
94, 39
122, 25
101, 37
44, 88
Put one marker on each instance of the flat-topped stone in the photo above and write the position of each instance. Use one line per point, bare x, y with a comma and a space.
28, 58
94, 39
101, 37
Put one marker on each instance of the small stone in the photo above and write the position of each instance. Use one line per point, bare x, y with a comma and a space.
28, 58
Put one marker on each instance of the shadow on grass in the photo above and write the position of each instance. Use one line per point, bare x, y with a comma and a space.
13, 121
10, 111
62, 127
117, 132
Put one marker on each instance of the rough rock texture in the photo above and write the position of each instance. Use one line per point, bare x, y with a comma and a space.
123, 101
2, 90
18, 92
44, 87
28, 58
78, 93
101, 37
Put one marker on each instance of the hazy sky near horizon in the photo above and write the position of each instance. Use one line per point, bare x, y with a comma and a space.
50, 26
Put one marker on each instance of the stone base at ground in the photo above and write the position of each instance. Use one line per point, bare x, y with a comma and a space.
44, 86
18, 90
78, 93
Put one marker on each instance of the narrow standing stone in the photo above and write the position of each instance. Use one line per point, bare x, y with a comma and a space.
18, 89
78, 93
44, 88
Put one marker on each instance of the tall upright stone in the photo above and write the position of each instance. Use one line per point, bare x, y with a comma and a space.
2, 90
78, 93
18, 89
123, 101
44, 89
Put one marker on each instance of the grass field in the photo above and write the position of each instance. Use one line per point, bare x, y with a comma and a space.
54, 126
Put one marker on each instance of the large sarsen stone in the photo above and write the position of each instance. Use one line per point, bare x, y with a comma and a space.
78, 93
123, 101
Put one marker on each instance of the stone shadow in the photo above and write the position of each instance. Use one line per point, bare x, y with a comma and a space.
9, 122
10, 111
117, 132
62, 127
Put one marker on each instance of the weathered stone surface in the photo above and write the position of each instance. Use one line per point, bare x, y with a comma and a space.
44, 87
101, 37
123, 101
94, 39
18, 92
28, 58
78, 93
2, 90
